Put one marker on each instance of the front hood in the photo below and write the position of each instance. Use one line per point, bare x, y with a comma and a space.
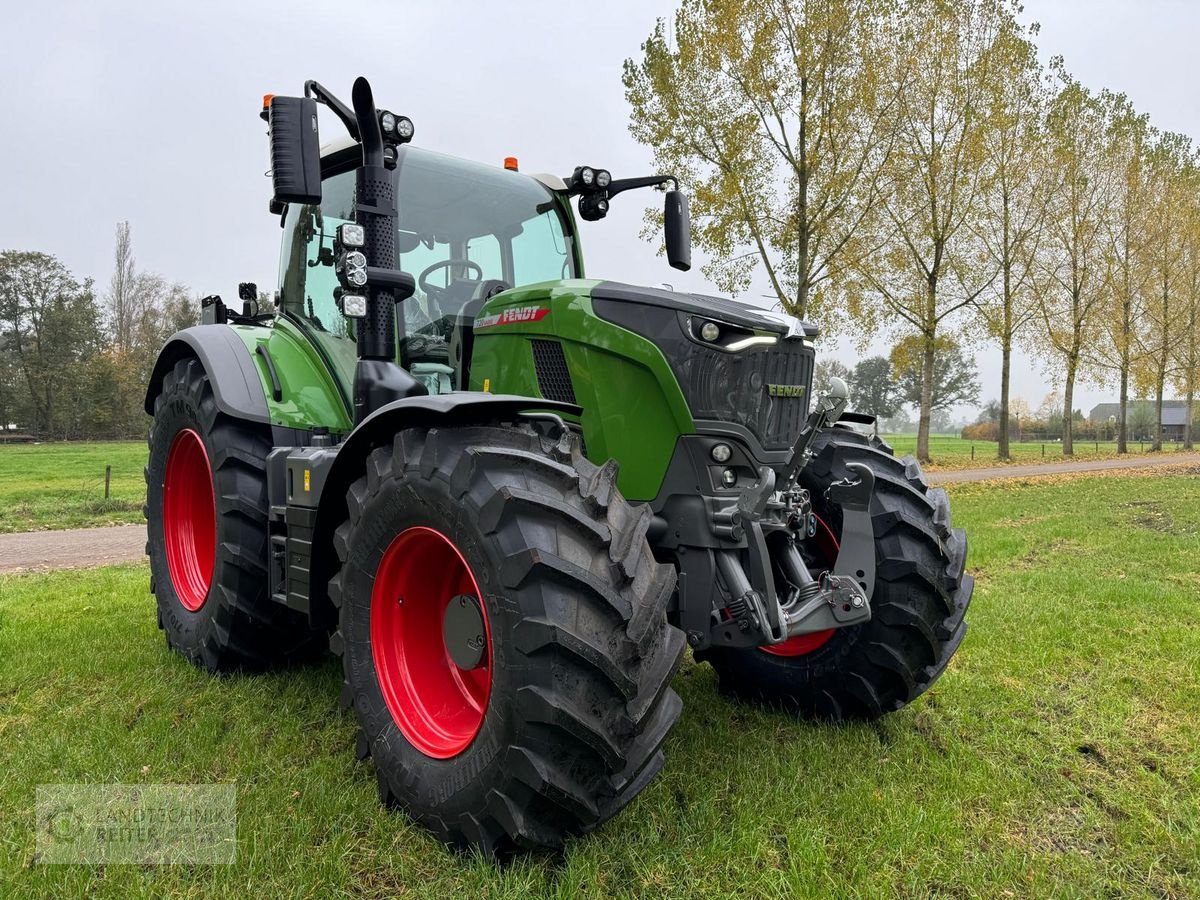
732, 311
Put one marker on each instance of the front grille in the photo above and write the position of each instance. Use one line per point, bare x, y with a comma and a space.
726, 387
734, 387
550, 366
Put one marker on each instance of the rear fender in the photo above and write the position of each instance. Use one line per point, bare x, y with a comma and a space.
235, 381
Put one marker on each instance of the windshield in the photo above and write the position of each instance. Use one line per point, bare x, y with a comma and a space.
460, 223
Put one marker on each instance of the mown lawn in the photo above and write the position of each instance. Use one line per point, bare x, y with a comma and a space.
61, 485
952, 452
1059, 756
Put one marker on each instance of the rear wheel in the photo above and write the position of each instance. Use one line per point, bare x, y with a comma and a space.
503, 630
206, 502
917, 610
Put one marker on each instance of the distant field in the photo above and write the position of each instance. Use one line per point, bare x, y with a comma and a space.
1056, 758
952, 452
61, 485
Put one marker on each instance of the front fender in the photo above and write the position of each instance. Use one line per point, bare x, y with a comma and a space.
379, 429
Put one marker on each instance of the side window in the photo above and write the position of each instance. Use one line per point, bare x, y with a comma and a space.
540, 251
485, 250
306, 276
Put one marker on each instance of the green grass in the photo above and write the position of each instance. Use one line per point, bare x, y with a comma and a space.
62, 485
1057, 757
952, 452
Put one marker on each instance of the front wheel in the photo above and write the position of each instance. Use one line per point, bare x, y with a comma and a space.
502, 624
917, 610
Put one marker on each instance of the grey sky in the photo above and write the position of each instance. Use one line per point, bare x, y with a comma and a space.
148, 112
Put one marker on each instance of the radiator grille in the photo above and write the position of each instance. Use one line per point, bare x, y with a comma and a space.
735, 387
550, 366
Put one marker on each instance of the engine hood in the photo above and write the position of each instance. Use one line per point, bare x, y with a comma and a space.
719, 308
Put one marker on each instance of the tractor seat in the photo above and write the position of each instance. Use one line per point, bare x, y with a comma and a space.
462, 336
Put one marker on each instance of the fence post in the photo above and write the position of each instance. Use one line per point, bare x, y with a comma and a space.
1043, 451
107, 480
972, 451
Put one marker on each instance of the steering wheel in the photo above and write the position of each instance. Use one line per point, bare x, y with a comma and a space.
433, 290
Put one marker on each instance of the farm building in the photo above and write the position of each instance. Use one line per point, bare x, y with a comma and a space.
1139, 415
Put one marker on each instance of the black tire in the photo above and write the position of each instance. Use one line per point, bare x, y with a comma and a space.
581, 652
238, 626
918, 607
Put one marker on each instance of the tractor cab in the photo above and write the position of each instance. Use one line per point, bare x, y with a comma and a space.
464, 230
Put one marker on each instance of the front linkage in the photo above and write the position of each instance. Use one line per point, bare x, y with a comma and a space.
758, 535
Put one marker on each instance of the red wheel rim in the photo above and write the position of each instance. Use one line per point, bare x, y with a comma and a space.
803, 644
436, 705
189, 519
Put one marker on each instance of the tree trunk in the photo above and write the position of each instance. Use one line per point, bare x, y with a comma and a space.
926, 400
1005, 367
1156, 444
1123, 413
1187, 421
1068, 447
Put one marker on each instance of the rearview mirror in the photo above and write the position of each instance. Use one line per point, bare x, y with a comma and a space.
677, 231
295, 150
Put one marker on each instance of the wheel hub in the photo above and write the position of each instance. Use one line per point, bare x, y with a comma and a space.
463, 631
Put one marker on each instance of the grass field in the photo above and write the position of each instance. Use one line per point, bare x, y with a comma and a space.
1059, 756
952, 452
62, 485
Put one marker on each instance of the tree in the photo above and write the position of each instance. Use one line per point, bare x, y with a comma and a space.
872, 389
1070, 301
144, 309
954, 378
50, 324
989, 412
774, 112
1166, 165
1116, 349
824, 371
1012, 209
926, 270
1187, 347
1141, 419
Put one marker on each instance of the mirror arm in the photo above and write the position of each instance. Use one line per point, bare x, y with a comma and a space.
322, 94
628, 184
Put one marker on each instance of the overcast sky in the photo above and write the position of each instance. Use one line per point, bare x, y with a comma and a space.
149, 112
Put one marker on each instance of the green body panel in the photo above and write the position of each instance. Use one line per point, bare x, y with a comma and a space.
311, 395
633, 409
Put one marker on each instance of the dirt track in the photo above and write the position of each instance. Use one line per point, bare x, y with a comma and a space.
39, 551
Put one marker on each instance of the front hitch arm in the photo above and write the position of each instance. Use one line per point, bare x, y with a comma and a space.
856, 550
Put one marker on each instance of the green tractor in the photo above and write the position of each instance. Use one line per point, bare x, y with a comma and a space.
509, 496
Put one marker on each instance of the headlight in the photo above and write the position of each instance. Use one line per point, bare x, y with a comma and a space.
603, 178
405, 128
387, 121
587, 176
729, 477
709, 331
350, 235
354, 306
721, 453
354, 264
754, 340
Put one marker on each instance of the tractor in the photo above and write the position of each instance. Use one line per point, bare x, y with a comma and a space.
509, 496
